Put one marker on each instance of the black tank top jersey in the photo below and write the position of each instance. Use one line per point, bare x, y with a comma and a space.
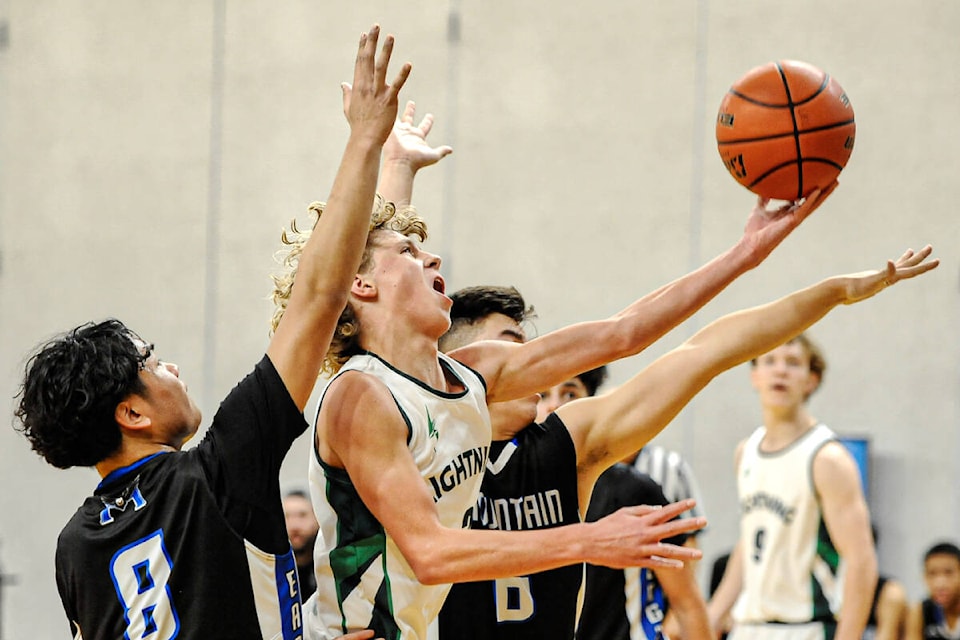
605, 606
162, 548
934, 622
530, 483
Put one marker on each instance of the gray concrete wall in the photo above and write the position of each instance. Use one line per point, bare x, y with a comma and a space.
151, 152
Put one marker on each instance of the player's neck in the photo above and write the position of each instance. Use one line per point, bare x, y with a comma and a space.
784, 427
416, 356
130, 451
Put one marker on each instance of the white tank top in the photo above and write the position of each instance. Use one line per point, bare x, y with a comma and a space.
791, 571
362, 579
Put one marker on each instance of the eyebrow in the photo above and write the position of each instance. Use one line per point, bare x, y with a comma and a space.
514, 333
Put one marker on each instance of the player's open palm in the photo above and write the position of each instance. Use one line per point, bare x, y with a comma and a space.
407, 142
867, 284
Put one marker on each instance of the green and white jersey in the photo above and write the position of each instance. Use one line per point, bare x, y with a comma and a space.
363, 582
791, 571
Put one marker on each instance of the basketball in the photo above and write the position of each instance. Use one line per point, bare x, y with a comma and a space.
784, 129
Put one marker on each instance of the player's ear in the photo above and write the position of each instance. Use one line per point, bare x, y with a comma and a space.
813, 383
364, 286
753, 376
129, 413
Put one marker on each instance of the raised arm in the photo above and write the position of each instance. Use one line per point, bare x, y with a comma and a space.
607, 428
332, 256
562, 354
405, 153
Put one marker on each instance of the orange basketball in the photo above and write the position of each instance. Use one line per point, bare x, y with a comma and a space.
784, 129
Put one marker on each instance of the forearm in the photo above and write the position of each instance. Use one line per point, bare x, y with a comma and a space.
859, 582
692, 619
464, 555
396, 182
723, 599
345, 221
562, 354
743, 335
687, 611
652, 316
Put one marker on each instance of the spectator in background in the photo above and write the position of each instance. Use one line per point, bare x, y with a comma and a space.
888, 614
302, 528
938, 616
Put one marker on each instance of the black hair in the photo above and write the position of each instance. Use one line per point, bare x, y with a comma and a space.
593, 379
472, 305
943, 549
71, 388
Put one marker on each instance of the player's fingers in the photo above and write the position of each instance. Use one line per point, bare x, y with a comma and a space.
905, 273
426, 124
671, 552
672, 510
364, 64
347, 93
642, 509
678, 526
408, 112
401, 78
383, 61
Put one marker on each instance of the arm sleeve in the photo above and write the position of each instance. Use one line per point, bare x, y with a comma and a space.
243, 450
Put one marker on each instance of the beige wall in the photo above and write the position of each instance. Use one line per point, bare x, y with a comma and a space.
134, 183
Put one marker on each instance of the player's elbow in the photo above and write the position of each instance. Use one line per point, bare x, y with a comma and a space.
426, 561
429, 569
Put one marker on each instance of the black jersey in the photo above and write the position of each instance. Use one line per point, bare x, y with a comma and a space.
192, 544
935, 622
530, 483
622, 603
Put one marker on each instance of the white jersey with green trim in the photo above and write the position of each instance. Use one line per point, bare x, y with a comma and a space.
363, 581
791, 570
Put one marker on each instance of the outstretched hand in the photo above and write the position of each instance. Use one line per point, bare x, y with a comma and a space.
407, 142
631, 537
767, 228
867, 284
371, 108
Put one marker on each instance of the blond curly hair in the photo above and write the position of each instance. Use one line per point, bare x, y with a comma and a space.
346, 338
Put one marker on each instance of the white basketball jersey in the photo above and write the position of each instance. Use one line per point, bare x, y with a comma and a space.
362, 579
791, 571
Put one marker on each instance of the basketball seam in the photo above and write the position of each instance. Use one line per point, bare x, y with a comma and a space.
796, 127
825, 127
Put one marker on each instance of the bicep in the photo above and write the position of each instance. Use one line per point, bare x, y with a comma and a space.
845, 513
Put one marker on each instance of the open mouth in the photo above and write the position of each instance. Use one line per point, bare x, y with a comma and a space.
439, 285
